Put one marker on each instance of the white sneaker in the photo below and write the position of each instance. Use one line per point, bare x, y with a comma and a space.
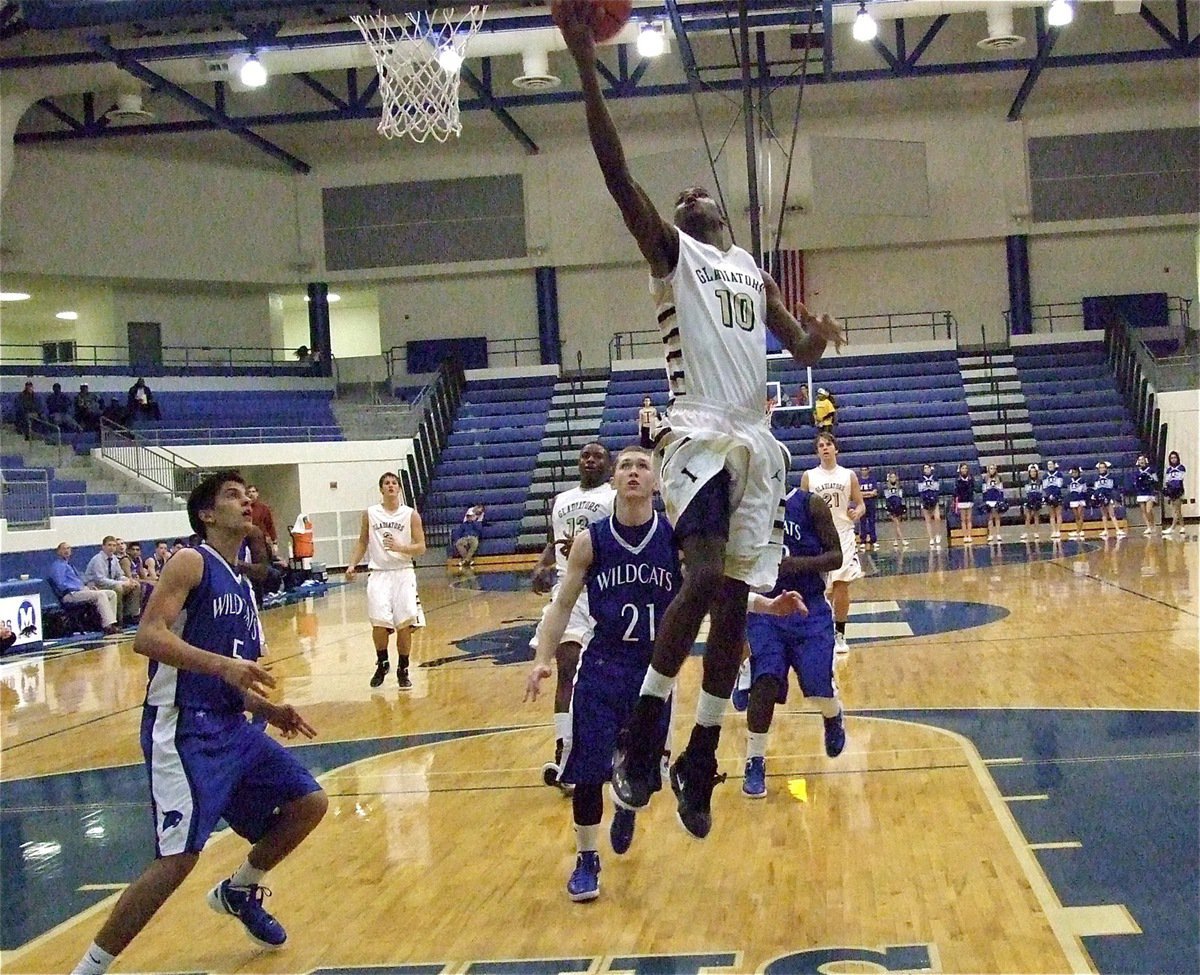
896, 544
1167, 531
1077, 534
1147, 530
1024, 535
839, 644
1104, 534
1037, 537
905, 543
1056, 534
1121, 534
932, 543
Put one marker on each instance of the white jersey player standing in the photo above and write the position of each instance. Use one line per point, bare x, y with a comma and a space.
391, 536
573, 512
839, 487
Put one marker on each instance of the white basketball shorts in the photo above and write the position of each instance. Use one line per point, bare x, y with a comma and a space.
851, 567
392, 599
579, 625
702, 438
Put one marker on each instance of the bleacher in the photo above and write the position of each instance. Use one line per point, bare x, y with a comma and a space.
68, 496
895, 412
241, 416
490, 457
1077, 414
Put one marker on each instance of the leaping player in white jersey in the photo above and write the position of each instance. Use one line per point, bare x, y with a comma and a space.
391, 537
839, 487
573, 512
722, 473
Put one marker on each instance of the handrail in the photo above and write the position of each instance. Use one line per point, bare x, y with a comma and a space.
159, 465
438, 404
941, 324
1067, 316
210, 435
25, 500
53, 430
173, 356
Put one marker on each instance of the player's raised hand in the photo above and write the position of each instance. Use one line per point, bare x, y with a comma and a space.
533, 684
543, 579
246, 675
825, 327
788, 603
572, 18
289, 721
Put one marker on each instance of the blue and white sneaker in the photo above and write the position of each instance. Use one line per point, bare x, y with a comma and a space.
754, 784
245, 903
741, 688
621, 830
584, 884
835, 735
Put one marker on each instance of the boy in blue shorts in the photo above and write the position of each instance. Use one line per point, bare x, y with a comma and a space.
799, 642
206, 761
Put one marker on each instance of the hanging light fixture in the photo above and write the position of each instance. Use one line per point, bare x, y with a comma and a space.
1060, 14
651, 42
864, 29
253, 74
449, 58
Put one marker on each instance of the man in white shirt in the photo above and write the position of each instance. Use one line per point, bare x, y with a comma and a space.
104, 572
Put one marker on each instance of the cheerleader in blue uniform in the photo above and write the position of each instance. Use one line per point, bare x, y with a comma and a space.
1145, 490
1077, 499
1031, 503
929, 488
867, 535
893, 501
1052, 494
993, 501
1173, 491
964, 500
1104, 495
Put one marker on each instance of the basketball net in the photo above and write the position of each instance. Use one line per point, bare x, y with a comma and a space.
420, 96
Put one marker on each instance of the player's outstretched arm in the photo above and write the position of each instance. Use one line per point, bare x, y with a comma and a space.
657, 239
559, 615
805, 338
787, 603
155, 638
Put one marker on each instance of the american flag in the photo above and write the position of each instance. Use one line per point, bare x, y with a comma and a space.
787, 268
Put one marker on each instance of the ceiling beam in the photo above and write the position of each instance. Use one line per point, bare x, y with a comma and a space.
498, 110
1046, 39
219, 119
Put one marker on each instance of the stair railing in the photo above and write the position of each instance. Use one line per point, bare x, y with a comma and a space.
50, 432
160, 466
437, 406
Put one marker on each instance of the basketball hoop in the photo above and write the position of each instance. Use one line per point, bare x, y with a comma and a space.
419, 57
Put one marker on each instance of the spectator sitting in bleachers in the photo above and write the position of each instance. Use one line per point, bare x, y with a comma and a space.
140, 404
88, 408
60, 409
114, 412
104, 572
143, 571
162, 552
464, 540
802, 397
27, 406
71, 589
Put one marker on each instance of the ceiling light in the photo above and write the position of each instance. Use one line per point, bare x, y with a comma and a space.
253, 74
67, 316
449, 58
651, 41
13, 296
330, 298
864, 29
1060, 14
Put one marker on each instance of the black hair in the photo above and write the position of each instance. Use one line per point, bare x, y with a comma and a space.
204, 496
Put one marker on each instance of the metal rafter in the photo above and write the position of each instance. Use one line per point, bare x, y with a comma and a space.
202, 108
498, 110
1046, 39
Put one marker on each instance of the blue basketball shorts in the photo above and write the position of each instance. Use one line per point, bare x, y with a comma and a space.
601, 703
803, 645
206, 766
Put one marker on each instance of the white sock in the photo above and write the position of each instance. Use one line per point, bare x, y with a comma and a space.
587, 838
830, 707
710, 710
95, 962
247, 876
657, 685
756, 744
562, 726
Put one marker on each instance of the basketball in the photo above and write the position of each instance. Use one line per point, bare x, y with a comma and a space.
605, 17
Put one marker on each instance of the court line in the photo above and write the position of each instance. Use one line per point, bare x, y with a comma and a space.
1132, 592
1058, 845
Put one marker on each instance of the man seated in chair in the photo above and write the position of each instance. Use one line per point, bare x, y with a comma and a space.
71, 590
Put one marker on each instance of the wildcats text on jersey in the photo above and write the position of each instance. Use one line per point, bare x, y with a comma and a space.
635, 573
231, 604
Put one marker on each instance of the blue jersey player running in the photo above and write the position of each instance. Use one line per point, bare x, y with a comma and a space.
799, 642
206, 760
629, 566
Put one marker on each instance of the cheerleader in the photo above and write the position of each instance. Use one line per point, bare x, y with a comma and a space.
964, 500
866, 524
1052, 494
1031, 503
1145, 486
929, 488
1104, 495
893, 501
1077, 499
1173, 491
993, 501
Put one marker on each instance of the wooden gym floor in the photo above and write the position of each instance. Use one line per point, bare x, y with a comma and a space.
1018, 794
